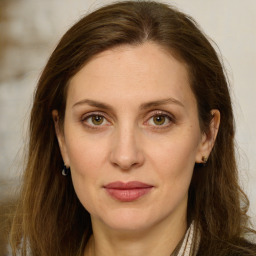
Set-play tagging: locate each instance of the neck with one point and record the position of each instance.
(159, 240)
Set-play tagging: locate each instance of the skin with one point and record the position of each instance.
(147, 130)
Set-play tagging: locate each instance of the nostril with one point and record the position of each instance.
(125, 152)
(126, 161)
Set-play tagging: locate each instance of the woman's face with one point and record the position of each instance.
(131, 137)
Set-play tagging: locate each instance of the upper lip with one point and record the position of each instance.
(127, 185)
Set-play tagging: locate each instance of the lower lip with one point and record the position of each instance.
(128, 195)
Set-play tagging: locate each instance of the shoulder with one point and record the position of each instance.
(242, 248)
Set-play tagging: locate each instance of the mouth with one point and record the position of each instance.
(127, 192)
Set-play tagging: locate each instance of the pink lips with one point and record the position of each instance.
(127, 192)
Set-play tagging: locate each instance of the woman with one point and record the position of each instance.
(131, 146)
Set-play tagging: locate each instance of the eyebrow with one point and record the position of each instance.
(157, 103)
(93, 103)
(143, 106)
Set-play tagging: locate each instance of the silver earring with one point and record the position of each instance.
(65, 170)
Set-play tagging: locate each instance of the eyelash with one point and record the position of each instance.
(88, 116)
(157, 113)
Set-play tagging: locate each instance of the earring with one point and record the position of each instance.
(204, 159)
(65, 170)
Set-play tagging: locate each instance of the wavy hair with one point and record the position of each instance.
(49, 219)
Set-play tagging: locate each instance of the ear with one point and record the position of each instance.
(208, 139)
(60, 136)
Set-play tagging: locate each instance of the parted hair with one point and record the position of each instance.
(49, 219)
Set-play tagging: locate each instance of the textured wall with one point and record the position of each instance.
(31, 28)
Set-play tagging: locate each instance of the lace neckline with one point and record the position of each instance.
(185, 246)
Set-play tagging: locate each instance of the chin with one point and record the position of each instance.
(127, 220)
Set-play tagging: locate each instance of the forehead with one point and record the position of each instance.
(146, 70)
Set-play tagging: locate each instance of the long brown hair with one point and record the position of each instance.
(50, 220)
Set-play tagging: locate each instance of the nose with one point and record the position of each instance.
(126, 152)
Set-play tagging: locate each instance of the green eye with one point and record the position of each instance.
(97, 120)
(159, 120)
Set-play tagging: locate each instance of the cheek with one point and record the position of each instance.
(174, 158)
(175, 150)
(85, 154)
(86, 161)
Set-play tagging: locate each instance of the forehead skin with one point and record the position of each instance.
(126, 63)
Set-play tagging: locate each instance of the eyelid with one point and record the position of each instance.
(160, 113)
(149, 115)
(95, 113)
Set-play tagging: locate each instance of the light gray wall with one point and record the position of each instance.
(31, 28)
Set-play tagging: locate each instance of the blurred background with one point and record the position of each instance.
(29, 31)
